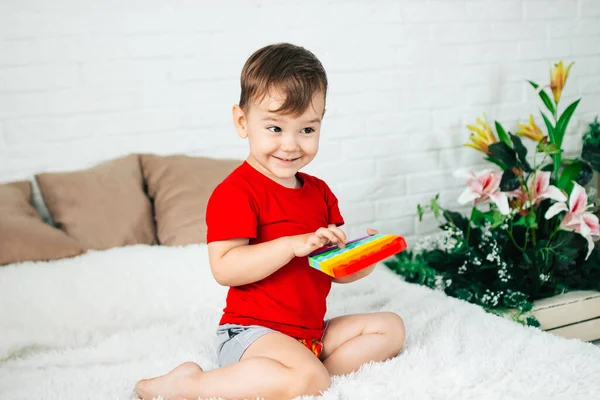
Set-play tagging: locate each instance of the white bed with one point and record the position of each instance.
(91, 326)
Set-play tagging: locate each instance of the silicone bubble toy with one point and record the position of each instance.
(358, 254)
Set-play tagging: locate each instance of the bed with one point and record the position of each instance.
(90, 326)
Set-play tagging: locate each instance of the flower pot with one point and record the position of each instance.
(573, 314)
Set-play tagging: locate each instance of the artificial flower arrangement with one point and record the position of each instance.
(531, 230)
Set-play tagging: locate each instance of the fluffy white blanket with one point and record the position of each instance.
(91, 326)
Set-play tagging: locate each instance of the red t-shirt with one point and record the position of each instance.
(247, 204)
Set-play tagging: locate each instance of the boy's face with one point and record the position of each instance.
(280, 145)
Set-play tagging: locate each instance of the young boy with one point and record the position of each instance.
(263, 221)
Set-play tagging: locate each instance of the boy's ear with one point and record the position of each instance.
(239, 121)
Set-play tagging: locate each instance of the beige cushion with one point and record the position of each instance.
(180, 187)
(23, 234)
(102, 207)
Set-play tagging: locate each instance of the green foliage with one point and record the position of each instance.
(510, 181)
(506, 262)
(592, 136)
(502, 155)
(413, 268)
(521, 151)
(489, 270)
(502, 134)
(545, 98)
(591, 145)
(558, 134)
(563, 121)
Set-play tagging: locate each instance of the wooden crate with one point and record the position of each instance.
(572, 315)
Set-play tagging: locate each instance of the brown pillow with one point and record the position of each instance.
(102, 207)
(180, 186)
(23, 234)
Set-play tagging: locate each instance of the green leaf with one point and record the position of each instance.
(464, 294)
(502, 134)
(498, 219)
(420, 211)
(477, 216)
(521, 152)
(591, 153)
(545, 98)
(569, 173)
(525, 306)
(503, 153)
(528, 221)
(585, 173)
(592, 136)
(549, 127)
(563, 121)
(552, 136)
(510, 181)
(531, 220)
(435, 207)
(522, 221)
(548, 148)
(547, 168)
(457, 220)
(532, 321)
(497, 162)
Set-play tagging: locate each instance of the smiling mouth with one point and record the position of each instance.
(287, 159)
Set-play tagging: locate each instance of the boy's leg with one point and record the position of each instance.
(353, 340)
(275, 366)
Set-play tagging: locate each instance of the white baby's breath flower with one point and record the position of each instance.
(439, 282)
(445, 241)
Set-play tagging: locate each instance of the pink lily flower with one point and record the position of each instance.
(482, 186)
(540, 189)
(577, 219)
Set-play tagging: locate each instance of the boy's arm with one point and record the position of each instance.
(355, 276)
(235, 262)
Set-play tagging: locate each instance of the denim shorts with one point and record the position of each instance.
(234, 340)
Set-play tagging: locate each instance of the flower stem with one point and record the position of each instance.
(512, 238)
(469, 226)
(556, 158)
(525, 189)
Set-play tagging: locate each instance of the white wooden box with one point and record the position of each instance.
(572, 315)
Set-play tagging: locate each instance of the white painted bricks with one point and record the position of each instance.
(83, 81)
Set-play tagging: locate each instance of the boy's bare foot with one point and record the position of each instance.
(166, 385)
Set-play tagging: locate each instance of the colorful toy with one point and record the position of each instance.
(358, 254)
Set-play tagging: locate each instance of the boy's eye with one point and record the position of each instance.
(307, 130)
(274, 129)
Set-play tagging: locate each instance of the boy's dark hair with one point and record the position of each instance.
(295, 71)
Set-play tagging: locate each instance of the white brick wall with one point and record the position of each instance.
(82, 81)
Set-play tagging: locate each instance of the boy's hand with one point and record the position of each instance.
(371, 231)
(362, 273)
(322, 237)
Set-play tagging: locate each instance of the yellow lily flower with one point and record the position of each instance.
(532, 131)
(481, 135)
(558, 79)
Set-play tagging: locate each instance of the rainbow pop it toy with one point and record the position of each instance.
(358, 254)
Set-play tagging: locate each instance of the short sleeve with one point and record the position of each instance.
(335, 216)
(230, 214)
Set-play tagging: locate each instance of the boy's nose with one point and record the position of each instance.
(289, 143)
